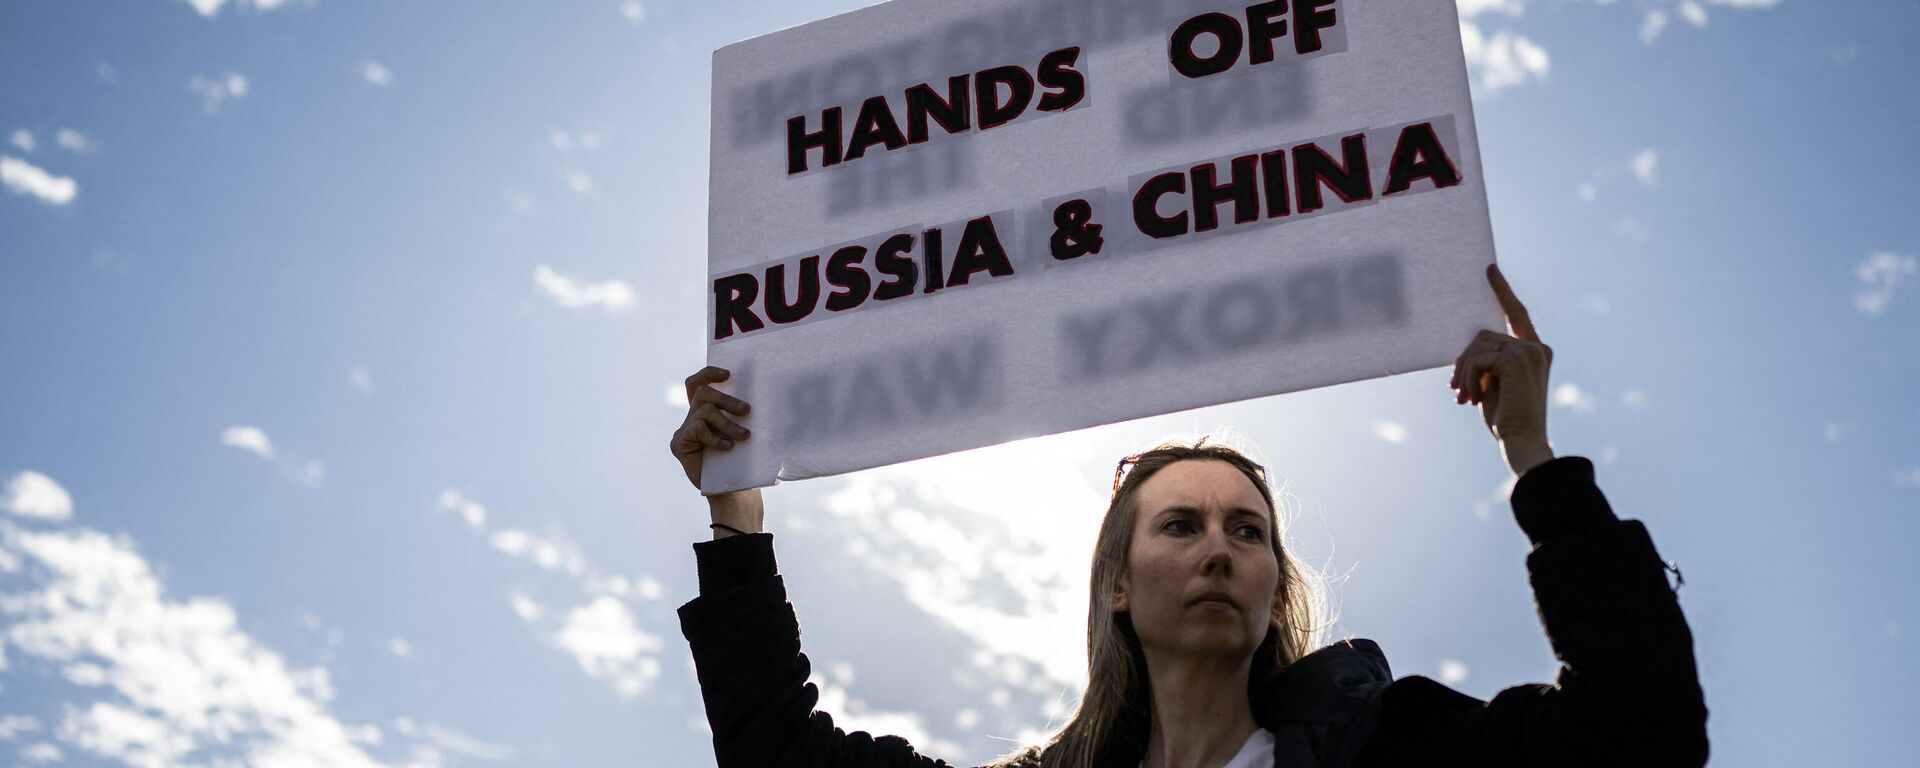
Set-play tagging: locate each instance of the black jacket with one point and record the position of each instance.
(1627, 693)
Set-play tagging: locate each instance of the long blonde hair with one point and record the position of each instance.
(1117, 696)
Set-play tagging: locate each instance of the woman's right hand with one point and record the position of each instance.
(707, 424)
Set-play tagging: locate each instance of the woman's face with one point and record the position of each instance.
(1202, 529)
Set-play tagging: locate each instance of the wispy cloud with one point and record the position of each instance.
(169, 678)
(377, 73)
(251, 439)
(23, 178)
(609, 645)
(34, 495)
(254, 440)
(469, 510)
(1693, 13)
(217, 90)
(21, 139)
(1502, 61)
(1907, 478)
(568, 141)
(1471, 8)
(1390, 431)
(602, 633)
(1652, 26)
(1880, 275)
(1570, 396)
(210, 8)
(633, 11)
(73, 141)
(1646, 167)
(610, 295)
(360, 380)
(1454, 671)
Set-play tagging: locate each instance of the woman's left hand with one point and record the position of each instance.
(1506, 375)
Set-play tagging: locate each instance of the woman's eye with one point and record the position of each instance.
(1179, 522)
(1257, 533)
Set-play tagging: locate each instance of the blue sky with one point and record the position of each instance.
(339, 342)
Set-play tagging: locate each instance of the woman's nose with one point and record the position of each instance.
(1218, 553)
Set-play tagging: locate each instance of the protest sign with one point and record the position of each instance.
(936, 226)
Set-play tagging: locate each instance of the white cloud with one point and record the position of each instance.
(579, 182)
(1646, 167)
(219, 89)
(1570, 395)
(521, 203)
(248, 438)
(1880, 274)
(21, 139)
(1693, 13)
(1762, 4)
(175, 677)
(610, 647)
(1587, 191)
(377, 73)
(1909, 478)
(210, 8)
(633, 11)
(1596, 303)
(525, 607)
(1631, 228)
(11, 726)
(1453, 671)
(1832, 432)
(40, 752)
(1390, 431)
(558, 556)
(462, 744)
(677, 395)
(1650, 29)
(31, 494)
(611, 295)
(853, 714)
(1635, 399)
(1471, 8)
(23, 178)
(361, 380)
(399, 646)
(469, 510)
(73, 141)
(1504, 60)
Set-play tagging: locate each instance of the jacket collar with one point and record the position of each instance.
(1330, 686)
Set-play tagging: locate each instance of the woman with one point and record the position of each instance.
(1201, 623)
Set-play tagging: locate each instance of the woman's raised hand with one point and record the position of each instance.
(1506, 375)
(707, 424)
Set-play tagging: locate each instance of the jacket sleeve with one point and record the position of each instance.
(1627, 692)
(753, 677)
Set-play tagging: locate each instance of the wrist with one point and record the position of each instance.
(1526, 452)
(738, 509)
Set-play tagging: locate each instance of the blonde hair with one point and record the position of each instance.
(1117, 695)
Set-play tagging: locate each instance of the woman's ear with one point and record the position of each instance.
(1119, 602)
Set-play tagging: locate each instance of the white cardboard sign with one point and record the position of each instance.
(935, 226)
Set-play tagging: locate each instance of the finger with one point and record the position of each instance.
(707, 375)
(723, 426)
(1474, 372)
(1484, 341)
(707, 394)
(1519, 323)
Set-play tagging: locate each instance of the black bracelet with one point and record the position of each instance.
(728, 527)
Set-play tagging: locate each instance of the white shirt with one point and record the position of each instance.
(1256, 753)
